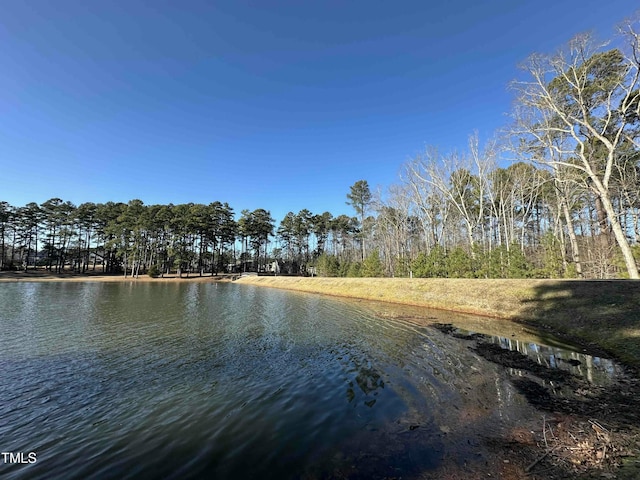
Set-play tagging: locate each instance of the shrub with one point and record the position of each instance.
(552, 258)
(401, 267)
(458, 264)
(328, 266)
(519, 266)
(431, 265)
(372, 265)
(354, 269)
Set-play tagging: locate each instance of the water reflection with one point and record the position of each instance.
(596, 370)
(201, 380)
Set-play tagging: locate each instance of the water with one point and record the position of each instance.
(195, 380)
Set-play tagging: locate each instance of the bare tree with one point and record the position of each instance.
(430, 206)
(588, 97)
(462, 179)
(394, 229)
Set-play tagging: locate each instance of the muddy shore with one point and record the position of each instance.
(584, 430)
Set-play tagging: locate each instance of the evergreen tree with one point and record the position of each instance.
(359, 198)
(372, 265)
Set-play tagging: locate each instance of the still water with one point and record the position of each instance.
(196, 380)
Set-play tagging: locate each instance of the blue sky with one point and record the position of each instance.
(281, 105)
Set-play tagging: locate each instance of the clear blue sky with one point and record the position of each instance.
(280, 105)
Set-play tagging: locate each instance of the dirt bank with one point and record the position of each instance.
(604, 316)
(585, 430)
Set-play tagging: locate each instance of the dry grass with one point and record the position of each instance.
(602, 314)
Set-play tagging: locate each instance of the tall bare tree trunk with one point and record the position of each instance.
(575, 250)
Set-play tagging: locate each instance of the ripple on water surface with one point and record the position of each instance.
(230, 381)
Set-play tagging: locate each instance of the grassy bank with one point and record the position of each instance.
(605, 313)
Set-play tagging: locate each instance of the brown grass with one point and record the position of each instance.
(603, 314)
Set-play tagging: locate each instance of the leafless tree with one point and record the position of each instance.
(588, 97)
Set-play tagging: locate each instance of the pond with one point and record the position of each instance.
(206, 380)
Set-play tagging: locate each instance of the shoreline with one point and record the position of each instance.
(45, 276)
(601, 315)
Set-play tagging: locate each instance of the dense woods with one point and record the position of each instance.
(557, 195)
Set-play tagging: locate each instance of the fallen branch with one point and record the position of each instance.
(538, 460)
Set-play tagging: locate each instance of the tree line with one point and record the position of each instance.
(122, 238)
(567, 204)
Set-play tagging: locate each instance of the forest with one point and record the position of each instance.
(556, 195)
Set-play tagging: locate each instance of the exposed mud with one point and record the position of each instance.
(585, 430)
